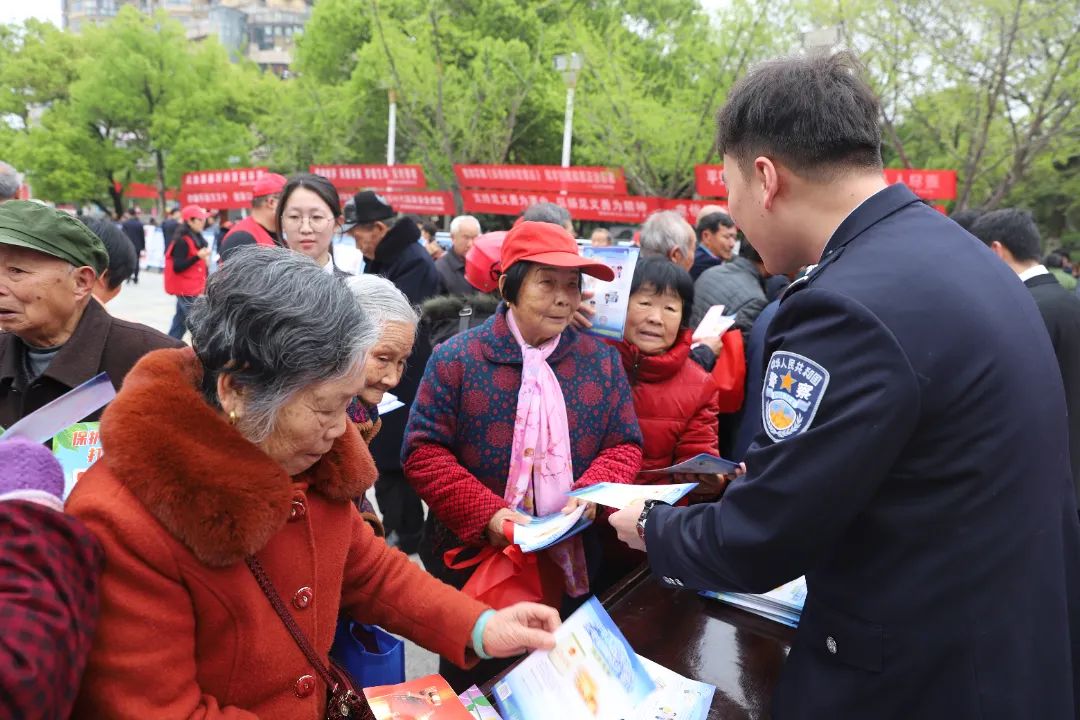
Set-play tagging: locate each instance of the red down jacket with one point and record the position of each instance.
(677, 403)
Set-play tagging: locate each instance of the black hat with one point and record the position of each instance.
(349, 213)
(368, 207)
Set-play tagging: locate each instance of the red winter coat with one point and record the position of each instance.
(677, 403)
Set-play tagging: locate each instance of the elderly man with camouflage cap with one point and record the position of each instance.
(53, 334)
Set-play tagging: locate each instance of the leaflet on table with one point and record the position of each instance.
(543, 532)
(675, 697)
(44, 423)
(77, 448)
(592, 673)
(389, 404)
(618, 495)
(783, 604)
(430, 698)
(610, 299)
(714, 324)
(478, 705)
(703, 464)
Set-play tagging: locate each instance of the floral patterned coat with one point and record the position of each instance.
(458, 441)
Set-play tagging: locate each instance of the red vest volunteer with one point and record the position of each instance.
(260, 227)
(185, 263)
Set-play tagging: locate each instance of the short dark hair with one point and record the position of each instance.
(122, 257)
(515, 278)
(430, 228)
(1013, 228)
(814, 113)
(660, 275)
(1053, 260)
(965, 218)
(547, 212)
(712, 223)
(316, 184)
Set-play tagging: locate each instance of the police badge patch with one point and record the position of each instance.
(794, 387)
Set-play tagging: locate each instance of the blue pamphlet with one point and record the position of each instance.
(703, 464)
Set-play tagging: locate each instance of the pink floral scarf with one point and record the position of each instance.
(541, 464)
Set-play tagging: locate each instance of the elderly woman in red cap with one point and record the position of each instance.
(185, 265)
(514, 414)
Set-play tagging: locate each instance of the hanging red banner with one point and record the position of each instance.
(927, 184)
(619, 209)
(417, 203)
(376, 177)
(709, 180)
(142, 191)
(689, 209)
(542, 178)
(205, 181)
(217, 200)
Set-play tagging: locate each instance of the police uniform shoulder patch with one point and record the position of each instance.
(792, 392)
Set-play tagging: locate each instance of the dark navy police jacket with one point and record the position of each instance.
(914, 466)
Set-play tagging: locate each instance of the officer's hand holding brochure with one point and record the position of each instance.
(620, 496)
(703, 464)
(543, 532)
(592, 673)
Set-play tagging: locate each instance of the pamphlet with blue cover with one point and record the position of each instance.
(783, 605)
(675, 698)
(592, 673)
(619, 495)
(44, 423)
(543, 532)
(703, 464)
(77, 448)
(610, 300)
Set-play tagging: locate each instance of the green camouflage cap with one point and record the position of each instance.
(28, 224)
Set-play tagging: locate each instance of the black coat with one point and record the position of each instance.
(1060, 310)
(133, 228)
(913, 465)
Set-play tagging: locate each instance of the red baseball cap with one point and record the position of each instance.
(483, 260)
(268, 184)
(193, 212)
(547, 244)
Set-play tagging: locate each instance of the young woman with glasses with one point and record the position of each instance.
(308, 213)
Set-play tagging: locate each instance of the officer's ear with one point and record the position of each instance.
(1000, 250)
(767, 180)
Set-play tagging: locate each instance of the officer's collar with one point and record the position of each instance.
(872, 210)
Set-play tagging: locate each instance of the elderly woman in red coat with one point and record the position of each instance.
(226, 480)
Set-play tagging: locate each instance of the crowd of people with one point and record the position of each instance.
(910, 442)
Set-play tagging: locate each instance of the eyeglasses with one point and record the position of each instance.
(317, 223)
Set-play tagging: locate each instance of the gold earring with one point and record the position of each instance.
(232, 417)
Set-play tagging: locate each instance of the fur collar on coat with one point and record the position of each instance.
(212, 489)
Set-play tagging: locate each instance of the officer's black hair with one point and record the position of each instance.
(965, 218)
(712, 223)
(515, 278)
(1013, 228)
(660, 276)
(813, 113)
(121, 252)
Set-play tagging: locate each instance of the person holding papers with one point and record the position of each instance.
(514, 414)
(913, 462)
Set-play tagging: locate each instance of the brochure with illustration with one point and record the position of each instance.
(675, 697)
(703, 464)
(610, 300)
(714, 324)
(592, 673)
(44, 423)
(77, 448)
(428, 698)
(478, 705)
(543, 532)
(618, 495)
(783, 605)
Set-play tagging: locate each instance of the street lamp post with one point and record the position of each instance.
(569, 65)
(391, 131)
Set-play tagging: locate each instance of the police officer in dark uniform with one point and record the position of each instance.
(914, 462)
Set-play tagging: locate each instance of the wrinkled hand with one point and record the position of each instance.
(715, 343)
(582, 319)
(520, 628)
(573, 502)
(494, 527)
(625, 523)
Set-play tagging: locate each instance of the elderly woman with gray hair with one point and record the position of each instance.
(230, 540)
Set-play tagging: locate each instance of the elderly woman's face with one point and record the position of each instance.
(308, 225)
(546, 302)
(307, 426)
(652, 320)
(386, 361)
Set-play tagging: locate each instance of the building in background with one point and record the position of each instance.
(263, 31)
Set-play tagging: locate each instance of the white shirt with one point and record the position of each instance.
(1033, 271)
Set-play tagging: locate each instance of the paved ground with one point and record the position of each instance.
(147, 303)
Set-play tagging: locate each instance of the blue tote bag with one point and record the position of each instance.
(371, 655)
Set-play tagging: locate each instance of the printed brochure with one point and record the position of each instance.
(618, 495)
(610, 299)
(592, 673)
(714, 324)
(428, 698)
(783, 605)
(44, 423)
(675, 698)
(77, 448)
(478, 705)
(703, 464)
(543, 532)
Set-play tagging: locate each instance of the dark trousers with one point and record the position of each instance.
(402, 511)
(179, 321)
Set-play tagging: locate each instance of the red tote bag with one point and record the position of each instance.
(507, 576)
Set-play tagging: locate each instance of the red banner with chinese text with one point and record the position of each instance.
(709, 181)
(417, 203)
(617, 209)
(542, 178)
(374, 177)
(927, 184)
(205, 181)
(689, 209)
(217, 199)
